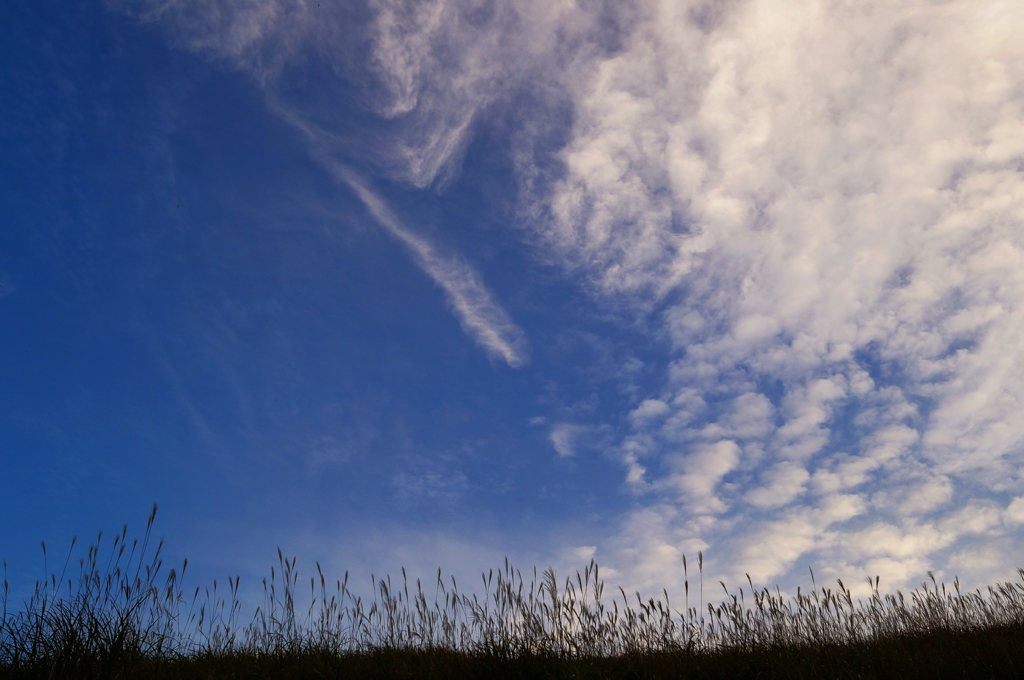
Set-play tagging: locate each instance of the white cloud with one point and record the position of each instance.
(1015, 511)
(426, 68)
(563, 438)
(837, 191)
(649, 408)
(268, 38)
(697, 473)
(921, 492)
(481, 316)
(568, 439)
(781, 485)
(819, 204)
(808, 409)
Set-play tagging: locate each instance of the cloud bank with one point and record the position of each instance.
(819, 203)
(833, 193)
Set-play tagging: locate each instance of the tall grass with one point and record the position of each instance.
(122, 616)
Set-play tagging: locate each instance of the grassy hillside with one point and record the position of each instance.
(122, 615)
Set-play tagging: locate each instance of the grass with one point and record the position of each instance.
(123, 616)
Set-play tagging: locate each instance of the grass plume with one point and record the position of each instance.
(122, 616)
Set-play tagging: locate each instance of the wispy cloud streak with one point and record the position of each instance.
(430, 120)
(481, 316)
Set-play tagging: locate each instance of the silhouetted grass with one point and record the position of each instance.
(123, 617)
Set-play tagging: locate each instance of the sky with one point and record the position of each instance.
(432, 283)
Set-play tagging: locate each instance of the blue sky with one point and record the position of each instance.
(432, 283)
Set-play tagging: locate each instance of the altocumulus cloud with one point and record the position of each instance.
(835, 192)
(820, 204)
